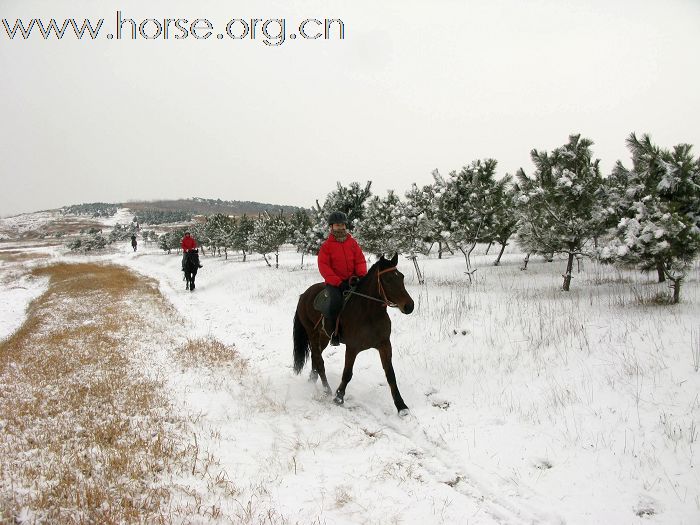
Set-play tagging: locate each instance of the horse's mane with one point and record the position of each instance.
(381, 264)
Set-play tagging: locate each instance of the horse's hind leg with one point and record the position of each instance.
(350, 355)
(313, 376)
(318, 367)
(385, 355)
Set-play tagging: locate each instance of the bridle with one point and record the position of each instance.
(384, 299)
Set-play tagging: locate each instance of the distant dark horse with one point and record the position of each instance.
(364, 323)
(191, 267)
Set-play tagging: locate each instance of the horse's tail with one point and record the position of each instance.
(301, 344)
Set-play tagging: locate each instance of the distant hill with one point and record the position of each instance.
(200, 206)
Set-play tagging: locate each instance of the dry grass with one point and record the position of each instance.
(84, 436)
(17, 256)
(209, 353)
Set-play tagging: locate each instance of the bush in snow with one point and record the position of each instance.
(88, 243)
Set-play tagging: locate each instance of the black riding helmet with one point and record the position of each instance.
(337, 217)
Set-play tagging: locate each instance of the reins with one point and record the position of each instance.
(385, 301)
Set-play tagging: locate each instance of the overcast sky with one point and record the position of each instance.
(414, 86)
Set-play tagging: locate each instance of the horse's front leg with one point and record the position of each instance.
(350, 355)
(385, 355)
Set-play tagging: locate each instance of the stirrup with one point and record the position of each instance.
(323, 327)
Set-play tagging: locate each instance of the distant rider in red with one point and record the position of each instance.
(188, 243)
(341, 263)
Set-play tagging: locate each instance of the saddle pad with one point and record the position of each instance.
(322, 301)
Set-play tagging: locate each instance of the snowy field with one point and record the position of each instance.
(527, 404)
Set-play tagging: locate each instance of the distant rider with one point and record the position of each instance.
(187, 243)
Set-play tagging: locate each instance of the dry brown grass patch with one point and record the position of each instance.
(17, 256)
(84, 435)
(209, 353)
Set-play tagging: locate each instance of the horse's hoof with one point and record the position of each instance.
(403, 412)
(338, 400)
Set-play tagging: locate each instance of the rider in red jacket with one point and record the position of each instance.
(187, 243)
(340, 261)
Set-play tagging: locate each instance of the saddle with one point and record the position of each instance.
(322, 302)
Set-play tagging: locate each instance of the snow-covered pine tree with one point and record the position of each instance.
(300, 229)
(269, 233)
(415, 227)
(351, 200)
(505, 217)
(560, 207)
(121, 232)
(241, 235)
(219, 230)
(468, 205)
(163, 242)
(378, 232)
(437, 220)
(171, 240)
(146, 235)
(657, 203)
(198, 230)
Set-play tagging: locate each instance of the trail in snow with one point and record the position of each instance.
(225, 306)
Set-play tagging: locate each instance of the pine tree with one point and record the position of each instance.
(415, 227)
(437, 218)
(220, 230)
(269, 233)
(242, 234)
(351, 200)
(505, 217)
(468, 205)
(300, 228)
(657, 206)
(559, 207)
(378, 232)
(163, 243)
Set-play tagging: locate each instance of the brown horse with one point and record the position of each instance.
(364, 323)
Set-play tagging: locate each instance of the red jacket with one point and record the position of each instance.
(188, 243)
(338, 261)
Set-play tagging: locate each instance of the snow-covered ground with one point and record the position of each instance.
(528, 404)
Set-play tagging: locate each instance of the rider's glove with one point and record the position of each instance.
(354, 280)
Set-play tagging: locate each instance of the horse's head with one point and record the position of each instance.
(390, 283)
